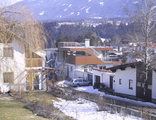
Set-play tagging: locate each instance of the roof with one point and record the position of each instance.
(150, 45)
(41, 53)
(123, 66)
(103, 70)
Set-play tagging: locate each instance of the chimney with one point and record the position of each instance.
(87, 42)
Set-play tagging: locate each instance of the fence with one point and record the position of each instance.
(115, 105)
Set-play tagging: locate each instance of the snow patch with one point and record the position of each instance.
(135, 2)
(89, 0)
(83, 109)
(82, 8)
(72, 13)
(42, 13)
(65, 9)
(59, 16)
(101, 3)
(78, 13)
(5, 3)
(69, 5)
(63, 4)
(87, 10)
(97, 17)
(63, 83)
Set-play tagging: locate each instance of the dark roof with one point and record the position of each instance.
(103, 70)
(123, 66)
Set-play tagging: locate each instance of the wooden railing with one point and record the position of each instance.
(33, 62)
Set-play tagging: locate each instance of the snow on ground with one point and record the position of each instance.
(82, 109)
(63, 83)
(90, 89)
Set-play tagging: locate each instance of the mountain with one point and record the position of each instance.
(76, 9)
(4, 3)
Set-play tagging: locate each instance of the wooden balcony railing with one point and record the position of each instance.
(33, 62)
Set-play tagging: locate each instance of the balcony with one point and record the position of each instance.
(34, 62)
(114, 60)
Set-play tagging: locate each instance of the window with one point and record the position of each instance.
(71, 68)
(80, 80)
(143, 84)
(120, 81)
(150, 87)
(8, 77)
(8, 52)
(81, 53)
(131, 84)
(104, 67)
(138, 84)
(85, 69)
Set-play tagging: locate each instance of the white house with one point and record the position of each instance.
(129, 81)
(12, 66)
(102, 76)
(15, 66)
(125, 81)
(154, 86)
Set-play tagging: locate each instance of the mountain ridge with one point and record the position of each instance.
(72, 9)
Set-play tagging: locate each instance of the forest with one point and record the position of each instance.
(78, 32)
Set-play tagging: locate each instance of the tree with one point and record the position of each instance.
(144, 15)
(17, 23)
(94, 39)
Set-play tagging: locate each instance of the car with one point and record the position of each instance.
(80, 82)
(113, 55)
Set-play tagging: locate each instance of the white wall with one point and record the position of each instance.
(125, 75)
(154, 85)
(76, 71)
(87, 42)
(96, 73)
(15, 64)
(104, 77)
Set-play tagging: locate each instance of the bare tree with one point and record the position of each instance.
(18, 23)
(144, 17)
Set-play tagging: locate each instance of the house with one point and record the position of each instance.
(20, 68)
(77, 58)
(128, 81)
(124, 81)
(103, 77)
(153, 86)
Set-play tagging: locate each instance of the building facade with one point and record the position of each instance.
(77, 58)
(20, 70)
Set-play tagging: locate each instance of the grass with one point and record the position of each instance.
(13, 110)
(41, 97)
(45, 99)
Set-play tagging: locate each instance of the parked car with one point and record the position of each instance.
(113, 55)
(80, 82)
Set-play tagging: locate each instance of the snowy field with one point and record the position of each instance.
(90, 89)
(82, 109)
